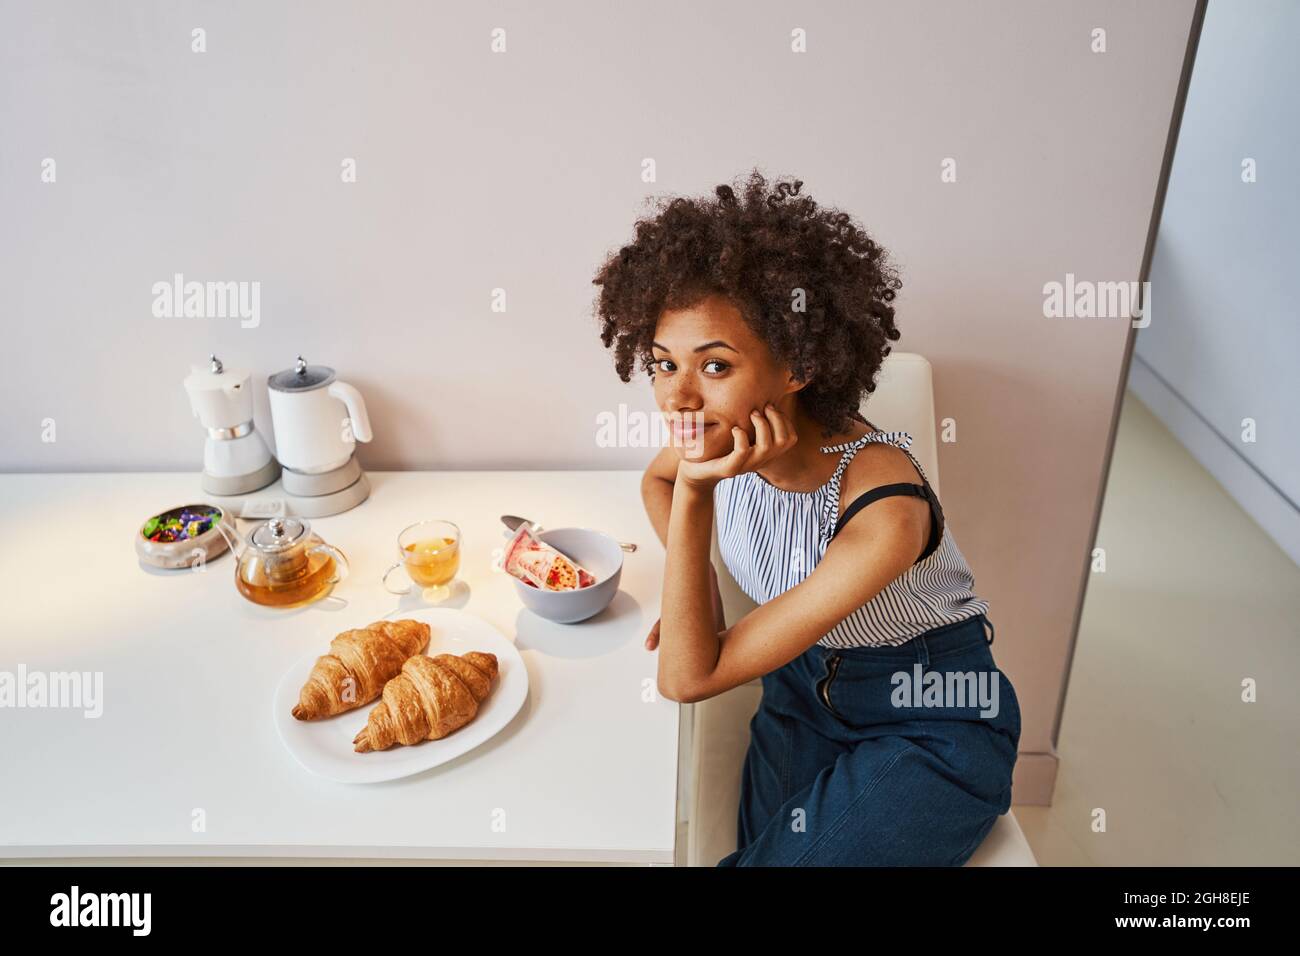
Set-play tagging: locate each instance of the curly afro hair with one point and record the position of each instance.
(758, 250)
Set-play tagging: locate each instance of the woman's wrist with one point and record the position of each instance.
(694, 486)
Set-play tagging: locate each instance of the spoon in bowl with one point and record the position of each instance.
(514, 521)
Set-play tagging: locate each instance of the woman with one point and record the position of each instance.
(886, 734)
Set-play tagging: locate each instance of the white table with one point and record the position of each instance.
(587, 771)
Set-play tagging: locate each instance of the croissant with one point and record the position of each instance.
(370, 656)
(429, 699)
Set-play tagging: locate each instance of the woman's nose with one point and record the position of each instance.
(684, 404)
(683, 397)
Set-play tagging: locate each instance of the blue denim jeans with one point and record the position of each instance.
(880, 756)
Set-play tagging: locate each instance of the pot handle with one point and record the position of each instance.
(350, 397)
(340, 560)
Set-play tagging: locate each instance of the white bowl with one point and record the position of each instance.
(595, 551)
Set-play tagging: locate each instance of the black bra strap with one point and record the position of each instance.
(900, 488)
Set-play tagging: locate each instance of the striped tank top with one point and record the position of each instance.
(771, 539)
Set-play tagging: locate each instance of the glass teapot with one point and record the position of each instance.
(282, 563)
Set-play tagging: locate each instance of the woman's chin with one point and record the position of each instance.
(690, 449)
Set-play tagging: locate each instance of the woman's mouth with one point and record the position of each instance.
(689, 427)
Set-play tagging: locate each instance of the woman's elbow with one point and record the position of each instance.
(677, 692)
(670, 692)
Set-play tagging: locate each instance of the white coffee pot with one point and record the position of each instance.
(235, 458)
(317, 420)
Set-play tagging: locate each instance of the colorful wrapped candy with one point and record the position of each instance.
(536, 563)
(182, 524)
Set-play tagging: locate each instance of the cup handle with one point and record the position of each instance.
(406, 590)
(340, 561)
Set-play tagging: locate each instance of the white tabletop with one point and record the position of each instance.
(586, 771)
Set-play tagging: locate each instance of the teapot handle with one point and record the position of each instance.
(357, 415)
(340, 560)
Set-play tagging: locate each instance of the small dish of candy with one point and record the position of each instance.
(181, 537)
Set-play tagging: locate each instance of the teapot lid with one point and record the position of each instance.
(301, 378)
(279, 534)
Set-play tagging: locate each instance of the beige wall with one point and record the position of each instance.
(521, 170)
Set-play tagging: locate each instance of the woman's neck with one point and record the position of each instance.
(805, 467)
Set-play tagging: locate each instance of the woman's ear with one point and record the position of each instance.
(794, 384)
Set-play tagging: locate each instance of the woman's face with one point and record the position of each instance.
(711, 371)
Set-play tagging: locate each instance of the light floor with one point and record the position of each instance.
(1195, 598)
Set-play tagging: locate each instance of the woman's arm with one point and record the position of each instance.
(688, 635)
(657, 491)
(657, 494)
(696, 661)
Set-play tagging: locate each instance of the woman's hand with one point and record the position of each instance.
(773, 437)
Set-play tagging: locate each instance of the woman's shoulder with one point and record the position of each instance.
(876, 464)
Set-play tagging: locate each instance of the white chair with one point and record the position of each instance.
(719, 730)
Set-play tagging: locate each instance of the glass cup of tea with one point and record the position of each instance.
(429, 552)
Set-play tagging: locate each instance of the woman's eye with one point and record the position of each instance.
(713, 366)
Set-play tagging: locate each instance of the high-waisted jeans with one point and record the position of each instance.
(880, 756)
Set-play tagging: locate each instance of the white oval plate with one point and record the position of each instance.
(325, 746)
